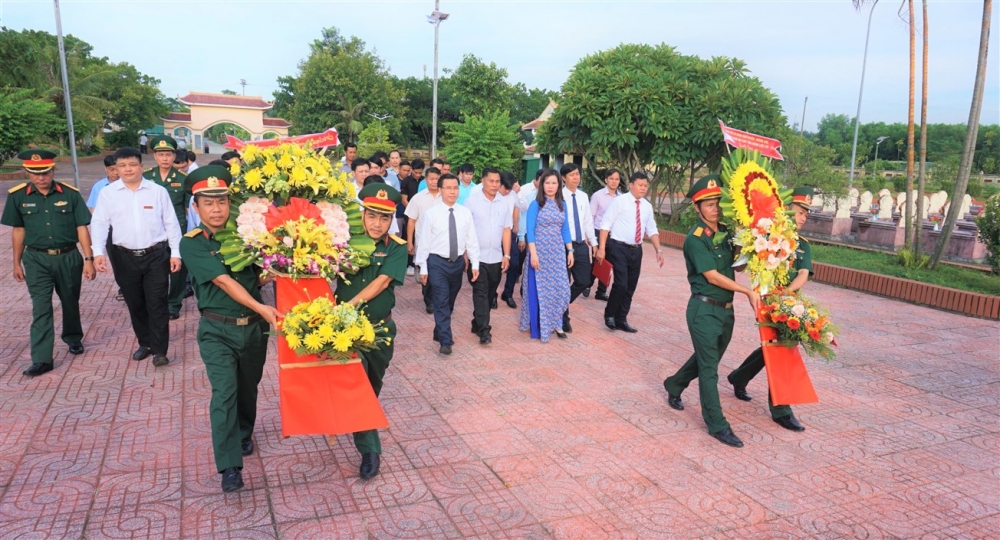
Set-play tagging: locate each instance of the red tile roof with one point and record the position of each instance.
(223, 100)
(276, 122)
(178, 117)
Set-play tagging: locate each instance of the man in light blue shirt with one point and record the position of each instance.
(95, 190)
(465, 183)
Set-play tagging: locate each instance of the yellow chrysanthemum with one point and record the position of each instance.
(298, 176)
(234, 168)
(325, 331)
(270, 168)
(285, 161)
(313, 341)
(253, 179)
(293, 340)
(250, 153)
(812, 313)
(369, 332)
(342, 343)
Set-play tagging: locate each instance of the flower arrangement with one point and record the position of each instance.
(330, 330)
(757, 207)
(278, 173)
(799, 320)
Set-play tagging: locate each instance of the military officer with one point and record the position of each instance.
(708, 255)
(374, 285)
(232, 333)
(49, 218)
(802, 267)
(165, 174)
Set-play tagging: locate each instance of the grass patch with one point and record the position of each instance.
(945, 275)
(663, 222)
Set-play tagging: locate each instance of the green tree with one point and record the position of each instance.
(138, 105)
(228, 92)
(284, 99)
(24, 120)
(809, 164)
(416, 128)
(350, 118)
(338, 68)
(485, 141)
(528, 104)
(374, 138)
(479, 88)
(644, 107)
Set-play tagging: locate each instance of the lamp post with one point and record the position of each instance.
(380, 117)
(435, 18)
(878, 141)
(66, 97)
(857, 117)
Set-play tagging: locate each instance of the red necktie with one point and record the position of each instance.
(638, 224)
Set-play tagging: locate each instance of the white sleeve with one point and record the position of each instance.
(99, 224)
(472, 244)
(423, 248)
(651, 228)
(588, 221)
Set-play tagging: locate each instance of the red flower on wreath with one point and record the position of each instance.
(782, 317)
(814, 335)
(793, 323)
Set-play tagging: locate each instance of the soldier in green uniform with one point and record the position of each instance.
(741, 376)
(165, 174)
(374, 285)
(49, 218)
(709, 259)
(232, 333)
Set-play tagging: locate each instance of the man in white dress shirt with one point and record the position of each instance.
(448, 239)
(492, 217)
(625, 223)
(581, 230)
(146, 250)
(418, 206)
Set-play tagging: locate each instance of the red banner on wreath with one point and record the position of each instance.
(749, 141)
(787, 378)
(318, 140)
(323, 400)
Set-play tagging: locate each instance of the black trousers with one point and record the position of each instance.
(582, 272)
(514, 270)
(445, 280)
(626, 262)
(144, 282)
(483, 291)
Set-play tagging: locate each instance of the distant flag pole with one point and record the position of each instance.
(66, 97)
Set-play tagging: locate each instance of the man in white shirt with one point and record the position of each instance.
(625, 223)
(419, 204)
(146, 250)
(448, 239)
(581, 230)
(350, 154)
(492, 217)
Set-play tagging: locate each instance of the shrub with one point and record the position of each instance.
(989, 231)
(909, 259)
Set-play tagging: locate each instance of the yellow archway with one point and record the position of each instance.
(211, 109)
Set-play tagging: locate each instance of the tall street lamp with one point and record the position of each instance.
(878, 141)
(67, 101)
(380, 117)
(435, 18)
(857, 117)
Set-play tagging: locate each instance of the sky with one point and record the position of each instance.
(799, 48)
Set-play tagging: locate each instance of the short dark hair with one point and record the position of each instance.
(538, 173)
(639, 175)
(395, 151)
(373, 178)
(437, 161)
(404, 163)
(126, 152)
(381, 155)
(507, 179)
(191, 155)
(432, 170)
(487, 171)
(609, 172)
(358, 162)
(230, 155)
(540, 196)
(109, 161)
(417, 164)
(350, 145)
(180, 157)
(568, 168)
(467, 168)
(444, 177)
(219, 162)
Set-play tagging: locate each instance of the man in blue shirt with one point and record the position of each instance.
(112, 175)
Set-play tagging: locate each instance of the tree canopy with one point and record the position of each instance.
(485, 141)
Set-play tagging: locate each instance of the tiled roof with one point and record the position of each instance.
(224, 100)
(276, 122)
(178, 117)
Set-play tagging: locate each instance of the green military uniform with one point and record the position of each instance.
(709, 311)
(232, 338)
(389, 259)
(50, 258)
(174, 184)
(741, 376)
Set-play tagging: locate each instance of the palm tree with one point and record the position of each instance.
(86, 83)
(922, 174)
(908, 205)
(969, 146)
(349, 124)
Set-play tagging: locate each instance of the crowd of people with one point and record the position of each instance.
(541, 244)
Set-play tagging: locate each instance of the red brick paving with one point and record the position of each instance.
(570, 439)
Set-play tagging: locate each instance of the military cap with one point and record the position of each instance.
(37, 161)
(379, 197)
(803, 196)
(162, 142)
(707, 187)
(211, 180)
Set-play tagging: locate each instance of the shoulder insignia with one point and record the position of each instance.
(397, 239)
(147, 170)
(697, 231)
(180, 172)
(17, 187)
(193, 232)
(65, 185)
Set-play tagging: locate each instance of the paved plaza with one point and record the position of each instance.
(518, 439)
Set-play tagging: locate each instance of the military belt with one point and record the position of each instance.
(55, 251)
(238, 321)
(713, 301)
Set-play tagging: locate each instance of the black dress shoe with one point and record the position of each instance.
(601, 296)
(567, 327)
(429, 309)
(675, 402)
(37, 369)
(493, 304)
(485, 339)
(188, 292)
(727, 436)
(76, 348)
(232, 479)
(370, 462)
(739, 390)
(610, 323)
(160, 360)
(445, 349)
(625, 326)
(561, 335)
(790, 422)
(246, 445)
(141, 353)
(174, 315)
(586, 293)
(511, 303)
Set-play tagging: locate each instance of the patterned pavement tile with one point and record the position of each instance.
(315, 500)
(421, 520)
(24, 501)
(596, 526)
(725, 508)
(437, 451)
(139, 488)
(783, 496)
(246, 508)
(477, 513)
(556, 499)
(391, 488)
(665, 518)
(48, 526)
(159, 520)
(58, 466)
(455, 480)
(346, 526)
